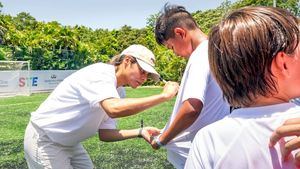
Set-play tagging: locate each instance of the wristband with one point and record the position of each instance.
(141, 129)
(140, 133)
(160, 144)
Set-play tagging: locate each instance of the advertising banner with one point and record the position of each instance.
(47, 80)
(18, 82)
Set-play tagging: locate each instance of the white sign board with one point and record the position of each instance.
(39, 80)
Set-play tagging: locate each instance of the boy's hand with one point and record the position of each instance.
(291, 127)
(149, 133)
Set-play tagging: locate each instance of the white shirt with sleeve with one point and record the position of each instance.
(241, 140)
(197, 82)
(72, 112)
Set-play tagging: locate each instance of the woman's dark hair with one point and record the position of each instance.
(116, 60)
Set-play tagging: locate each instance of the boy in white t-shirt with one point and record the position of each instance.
(254, 54)
(86, 103)
(199, 101)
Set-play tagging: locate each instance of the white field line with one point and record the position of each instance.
(19, 104)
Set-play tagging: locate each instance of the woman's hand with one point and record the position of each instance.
(170, 89)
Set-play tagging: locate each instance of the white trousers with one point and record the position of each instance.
(42, 153)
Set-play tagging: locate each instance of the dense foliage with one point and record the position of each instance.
(54, 46)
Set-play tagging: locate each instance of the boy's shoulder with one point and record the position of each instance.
(201, 52)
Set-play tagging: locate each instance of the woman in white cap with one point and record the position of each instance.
(86, 103)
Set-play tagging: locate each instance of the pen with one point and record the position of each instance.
(142, 123)
(163, 80)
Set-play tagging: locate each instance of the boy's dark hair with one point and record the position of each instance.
(242, 47)
(171, 17)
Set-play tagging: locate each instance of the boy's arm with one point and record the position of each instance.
(186, 116)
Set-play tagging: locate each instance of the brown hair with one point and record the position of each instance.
(118, 59)
(242, 47)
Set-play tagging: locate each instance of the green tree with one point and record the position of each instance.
(54, 46)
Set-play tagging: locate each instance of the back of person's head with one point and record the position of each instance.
(242, 47)
(170, 17)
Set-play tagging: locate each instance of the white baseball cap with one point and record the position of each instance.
(145, 59)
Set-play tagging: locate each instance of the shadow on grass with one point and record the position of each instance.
(133, 154)
(131, 158)
(105, 155)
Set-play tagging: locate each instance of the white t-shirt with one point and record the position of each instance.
(72, 111)
(197, 82)
(241, 140)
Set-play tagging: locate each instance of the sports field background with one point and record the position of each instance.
(132, 153)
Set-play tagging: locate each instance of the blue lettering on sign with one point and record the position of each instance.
(34, 81)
